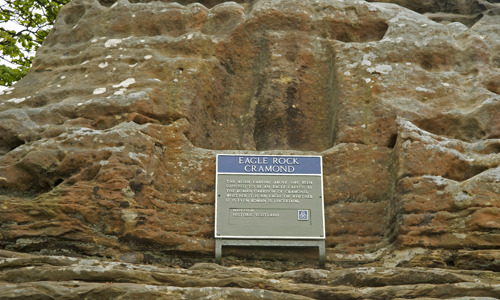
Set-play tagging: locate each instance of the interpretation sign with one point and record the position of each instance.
(269, 197)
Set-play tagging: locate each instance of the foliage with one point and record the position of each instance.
(31, 21)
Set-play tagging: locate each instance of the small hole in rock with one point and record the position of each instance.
(392, 141)
(107, 3)
(9, 143)
(450, 262)
(58, 182)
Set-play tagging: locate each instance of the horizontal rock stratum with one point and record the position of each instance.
(107, 147)
(56, 277)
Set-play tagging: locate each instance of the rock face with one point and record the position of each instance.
(467, 12)
(107, 147)
(57, 277)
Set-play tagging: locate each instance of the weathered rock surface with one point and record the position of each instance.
(467, 12)
(57, 277)
(107, 147)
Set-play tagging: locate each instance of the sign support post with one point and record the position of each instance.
(269, 200)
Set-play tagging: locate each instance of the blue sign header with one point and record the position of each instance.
(269, 164)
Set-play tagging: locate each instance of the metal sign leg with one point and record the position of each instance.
(218, 251)
(322, 254)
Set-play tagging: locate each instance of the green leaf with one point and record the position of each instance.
(36, 18)
(9, 75)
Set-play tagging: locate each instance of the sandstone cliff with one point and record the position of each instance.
(107, 147)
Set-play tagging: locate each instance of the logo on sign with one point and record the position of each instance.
(303, 215)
